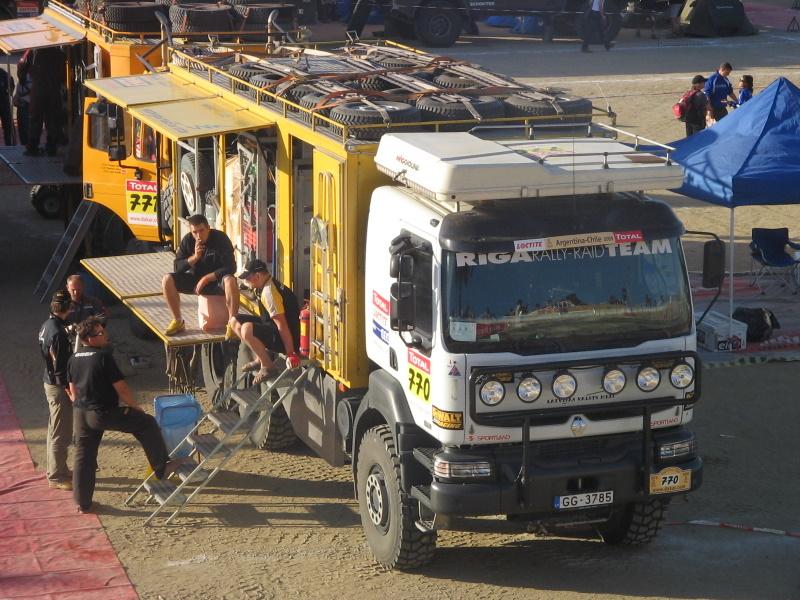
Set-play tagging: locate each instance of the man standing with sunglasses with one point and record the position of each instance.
(103, 401)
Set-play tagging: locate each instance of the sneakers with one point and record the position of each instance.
(31, 151)
(230, 334)
(60, 485)
(265, 373)
(84, 510)
(175, 327)
(253, 365)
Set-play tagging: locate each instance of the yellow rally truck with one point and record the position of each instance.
(500, 320)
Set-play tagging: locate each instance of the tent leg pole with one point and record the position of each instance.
(730, 278)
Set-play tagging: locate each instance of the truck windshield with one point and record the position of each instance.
(565, 300)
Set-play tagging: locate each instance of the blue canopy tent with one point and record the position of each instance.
(752, 156)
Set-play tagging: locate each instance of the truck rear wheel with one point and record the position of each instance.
(47, 200)
(438, 24)
(388, 515)
(635, 524)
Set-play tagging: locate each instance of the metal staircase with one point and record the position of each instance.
(228, 433)
(68, 245)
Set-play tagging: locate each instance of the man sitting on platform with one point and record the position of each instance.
(277, 328)
(204, 265)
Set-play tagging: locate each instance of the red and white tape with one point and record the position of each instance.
(795, 534)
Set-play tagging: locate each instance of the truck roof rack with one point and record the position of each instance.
(461, 167)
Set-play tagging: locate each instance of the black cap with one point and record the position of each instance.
(253, 266)
(61, 300)
(698, 79)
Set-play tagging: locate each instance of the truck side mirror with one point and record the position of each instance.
(713, 263)
(401, 317)
(116, 152)
(401, 267)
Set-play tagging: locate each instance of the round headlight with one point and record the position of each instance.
(564, 385)
(648, 379)
(681, 376)
(613, 381)
(492, 392)
(529, 389)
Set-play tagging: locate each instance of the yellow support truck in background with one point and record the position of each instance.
(500, 318)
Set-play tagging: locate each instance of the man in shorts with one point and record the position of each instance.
(204, 265)
(276, 329)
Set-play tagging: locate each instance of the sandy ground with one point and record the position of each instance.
(284, 525)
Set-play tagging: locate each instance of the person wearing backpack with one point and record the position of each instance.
(697, 107)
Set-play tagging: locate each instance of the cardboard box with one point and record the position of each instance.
(718, 333)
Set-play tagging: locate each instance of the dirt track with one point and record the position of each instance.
(285, 525)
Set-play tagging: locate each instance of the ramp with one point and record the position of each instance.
(36, 170)
(136, 280)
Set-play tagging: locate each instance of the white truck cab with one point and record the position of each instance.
(527, 311)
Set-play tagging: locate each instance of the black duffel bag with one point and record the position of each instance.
(760, 322)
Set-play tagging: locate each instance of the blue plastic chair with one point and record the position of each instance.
(769, 257)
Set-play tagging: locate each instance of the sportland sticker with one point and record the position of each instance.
(140, 200)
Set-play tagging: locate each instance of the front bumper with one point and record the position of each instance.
(610, 463)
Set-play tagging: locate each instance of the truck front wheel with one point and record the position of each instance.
(388, 516)
(438, 24)
(635, 524)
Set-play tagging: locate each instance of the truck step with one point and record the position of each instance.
(224, 420)
(185, 471)
(424, 457)
(422, 493)
(160, 489)
(246, 397)
(205, 444)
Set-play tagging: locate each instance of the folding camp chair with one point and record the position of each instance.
(770, 258)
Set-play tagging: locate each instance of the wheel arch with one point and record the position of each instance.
(383, 404)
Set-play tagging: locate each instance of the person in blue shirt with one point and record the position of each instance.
(718, 89)
(745, 89)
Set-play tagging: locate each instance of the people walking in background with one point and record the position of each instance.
(695, 119)
(48, 71)
(56, 351)
(593, 26)
(22, 97)
(718, 89)
(6, 117)
(745, 89)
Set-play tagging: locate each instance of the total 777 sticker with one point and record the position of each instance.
(419, 375)
(141, 202)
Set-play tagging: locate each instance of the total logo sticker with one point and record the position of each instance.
(419, 375)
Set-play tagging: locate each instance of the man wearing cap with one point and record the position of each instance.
(275, 329)
(718, 89)
(698, 107)
(56, 350)
(204, 264)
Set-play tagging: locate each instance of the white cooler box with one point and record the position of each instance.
(719, 334)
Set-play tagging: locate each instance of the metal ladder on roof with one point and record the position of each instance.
(65, 250)
(229, 432)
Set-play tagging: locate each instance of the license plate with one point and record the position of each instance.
(583, 500)
(670, 479)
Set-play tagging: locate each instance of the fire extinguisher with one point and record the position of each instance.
(305, 317)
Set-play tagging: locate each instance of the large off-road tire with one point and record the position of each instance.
(218, 364)
(520, 106)
(453, 81)
(392, 62)
(634, 524)
(359, 113)
(193, 18)
(167, 207)
(438, 24)
(246, 71)
(310, 101)
(48, 201)
(275, 434)
(130, 12)
(436, 109)
(192, 194)
(388, 516)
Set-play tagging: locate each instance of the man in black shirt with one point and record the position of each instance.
(97, 387)
(56, 349)
(204, 264)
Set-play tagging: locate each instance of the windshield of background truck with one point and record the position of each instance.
(566, 300)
